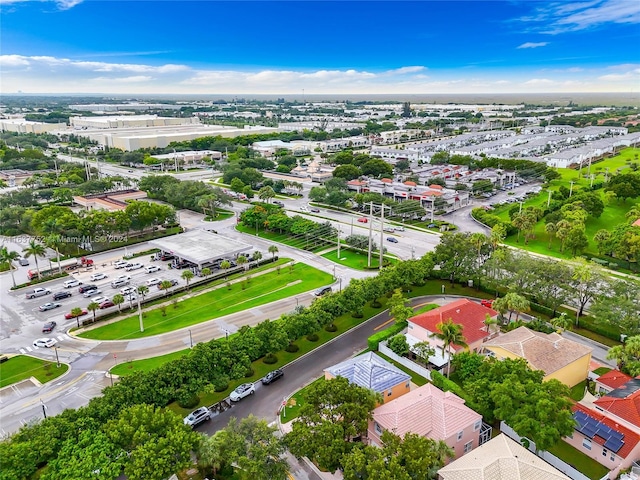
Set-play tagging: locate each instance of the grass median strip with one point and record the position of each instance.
(21, 367)
(249, 293)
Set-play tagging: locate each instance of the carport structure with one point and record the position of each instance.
(200, 247)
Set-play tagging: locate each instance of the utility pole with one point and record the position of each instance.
(370, 233)
(549, 199)
(381, 235)
(339, 231)
(139, 311)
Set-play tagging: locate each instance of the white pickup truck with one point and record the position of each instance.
(38, 292)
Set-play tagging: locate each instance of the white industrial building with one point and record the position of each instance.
(20, 125)
(129, 121)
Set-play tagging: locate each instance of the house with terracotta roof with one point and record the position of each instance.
(372, 372)
(429, 412)
(469, 314)
(622, 404)
(607, 441)
(559, 358)
(500, 459)
(611, 380)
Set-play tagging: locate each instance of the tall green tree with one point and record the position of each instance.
(398, 307)
(627, 355)
(336, 412)
(9, 256)
(187, 275)
(35, 250)
(408, 458)
(450, 334)
(456, 256)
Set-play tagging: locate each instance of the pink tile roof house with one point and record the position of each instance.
(431, 413)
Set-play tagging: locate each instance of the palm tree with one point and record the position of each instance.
(256, 256)
(550, 228)
(206, 271)
(451, 334)
(92, 307)
(225, 265)
(166, 285)
(562, 322)
(55, 241)
(241, 260)
(143, 290)
(76, 312)
(489, 321)
(37, 250)
(118, 300)
(8, 257)
(187, 275)
(273, 250)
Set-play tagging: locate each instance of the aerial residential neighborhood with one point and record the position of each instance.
(319, 240)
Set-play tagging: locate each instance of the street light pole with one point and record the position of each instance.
(57, 359)
(190, 339)
(44, 409)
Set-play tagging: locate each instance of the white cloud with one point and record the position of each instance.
(47, 74)
(61, 4)
(556, 18)
(533, 44)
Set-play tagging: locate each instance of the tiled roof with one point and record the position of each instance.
(426, 411)
(629, 438)
(411, 184)
(470, 315)
(436, 187)
(386, 180)
(548, 352)
(369, 371)
(624, 402)
(613, 379)
(500, 459)
(636, 223)
(356, 182)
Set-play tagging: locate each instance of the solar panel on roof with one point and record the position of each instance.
(589, 431)
(614, 444)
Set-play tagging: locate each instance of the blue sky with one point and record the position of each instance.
(267, 47)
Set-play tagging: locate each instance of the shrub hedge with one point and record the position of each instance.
(374, 340)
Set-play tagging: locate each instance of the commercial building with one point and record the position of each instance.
(20, 125)
(128, 121)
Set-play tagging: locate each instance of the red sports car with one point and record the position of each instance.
(70, 315)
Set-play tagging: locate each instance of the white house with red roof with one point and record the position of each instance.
(469, 314)
(608, 428)
(429, 412)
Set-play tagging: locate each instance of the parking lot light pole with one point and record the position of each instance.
(57, 359)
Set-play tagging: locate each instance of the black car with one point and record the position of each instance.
(272, 376)
(61, 295)
(278, 203)
(48, 327)
(86, 288)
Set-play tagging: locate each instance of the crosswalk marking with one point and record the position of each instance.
(22, 350)
(30, 349)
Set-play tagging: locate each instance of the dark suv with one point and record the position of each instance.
(272, 376)
(61, 295)
(48, 327)
(86, 288)
(322, 291)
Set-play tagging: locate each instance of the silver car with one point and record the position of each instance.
(242, 391)
(198, 416)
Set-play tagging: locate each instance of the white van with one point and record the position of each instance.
(71, 283)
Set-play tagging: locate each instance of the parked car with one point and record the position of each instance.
(392, 239)
(38, 292)
(198, 416)
(363, 220)
(23, 261)
(127, 290)
(153, 281)
(242, 391)
(48, 306)
(133, 266)
(61, 295)
(92, 292)
(486, 302)
(152, 268)
(44, 342)
(48, 327)
(70, 315)
(272, 376)
(107, 304)
(97, 276)
(85, 288)
(71, 283)
(120, 264)
(173, 283)
(322, 291)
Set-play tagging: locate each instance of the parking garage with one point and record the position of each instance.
(198, 249)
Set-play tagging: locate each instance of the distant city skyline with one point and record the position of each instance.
(331, 47)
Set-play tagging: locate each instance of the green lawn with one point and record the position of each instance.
(356, 260)
(578, 460)
(21, 367)
(601, 370)
(303, 243)
(577, 391)
(240, 296)
(296, 401)
(415, 378)
(613, 214)
(425, 308)
(146, 365)
(220, 215)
